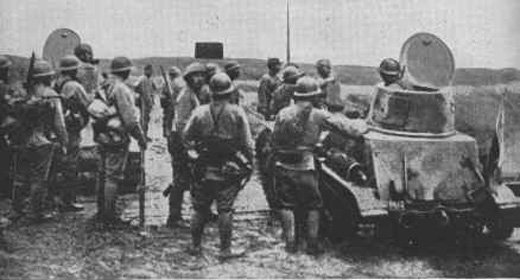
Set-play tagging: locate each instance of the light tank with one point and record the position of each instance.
(423, 178)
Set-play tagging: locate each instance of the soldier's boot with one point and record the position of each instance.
(225, 227)
(313, 226)
(68, 197)
(175, 202)
(287, 217)
(198, 220)
(36, 199)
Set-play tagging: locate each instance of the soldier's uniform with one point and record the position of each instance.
(75, 104)
(113, 137)
(296, 133)
(43, 116)
(145, 89)
(329, 85)
(268, 84)
(218, 132)
(169, 95)
(283, 95)
(189, 98)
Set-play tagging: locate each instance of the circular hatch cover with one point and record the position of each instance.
(428, 61)
(61, 42)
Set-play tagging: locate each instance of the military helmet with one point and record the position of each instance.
(174, 70)
(323, 62)
(307, 87)
(42, 68)
(390, 66)
(273, 61)
(120, 64)
(212, 68)
(220, 84)
(4, 62)
(195, 67)
(232, 65)
(69, 62)
(291, 72)
(82, 48)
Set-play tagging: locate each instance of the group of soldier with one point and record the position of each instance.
(207, 131)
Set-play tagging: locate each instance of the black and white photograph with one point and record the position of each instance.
(267, 139)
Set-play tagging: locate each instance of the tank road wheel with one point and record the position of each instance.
(341, 215)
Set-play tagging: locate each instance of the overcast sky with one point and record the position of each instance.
(481, 33)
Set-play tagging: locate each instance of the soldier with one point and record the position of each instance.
(283, 94)
(169, 95)
(391, 73)
(145, 88)
(329, 85)
(113, 137)
(43, 115)
(268, 84)
(222, 145)
(189, 98)
(232, 69)
(88, 73)
(296, 133)
(75, 104)
(5, 157)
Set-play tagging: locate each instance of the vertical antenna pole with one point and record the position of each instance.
(288, 48)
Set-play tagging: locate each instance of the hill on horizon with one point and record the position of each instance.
(253, 69)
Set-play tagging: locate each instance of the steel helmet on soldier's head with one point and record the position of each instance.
(4, 62)
(68, 62)
(232, 65)
(273, 61)
(42, 68)
(390, 66)
(323, 62)
(82, 48)
(120, 64)
(212, 68)
(221, 84)
(291, 72)
(174, 70)
(195, 67)
(307, 87)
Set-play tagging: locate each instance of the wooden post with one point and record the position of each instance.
(142, 179)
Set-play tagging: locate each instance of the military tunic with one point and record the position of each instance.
(295, 136)
(268, 84)
(227, 122)
(282, 98)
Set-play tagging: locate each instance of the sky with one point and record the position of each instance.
(480, 33)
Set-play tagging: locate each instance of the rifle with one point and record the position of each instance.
(30, 73)
(142, 180)
(166, 82)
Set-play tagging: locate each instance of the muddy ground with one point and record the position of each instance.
(69, 247)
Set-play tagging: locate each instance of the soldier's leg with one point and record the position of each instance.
(226, 196)
(310, 199)
(115, 162)
(201, 196)
(19, 167)
(70, 185)
(180, 182)
(39, 174)
(286, 195)
(100, 183)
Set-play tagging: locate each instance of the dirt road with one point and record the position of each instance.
(69, 248)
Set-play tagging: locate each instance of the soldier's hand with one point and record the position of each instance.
(64, 150)
(167, 133)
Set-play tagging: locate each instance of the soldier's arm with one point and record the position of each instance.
(246, 137)
(128, 114)
(262, 95)
(191, 130)
(59, 122)
(342, 124)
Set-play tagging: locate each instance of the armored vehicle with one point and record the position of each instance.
(413, 172)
